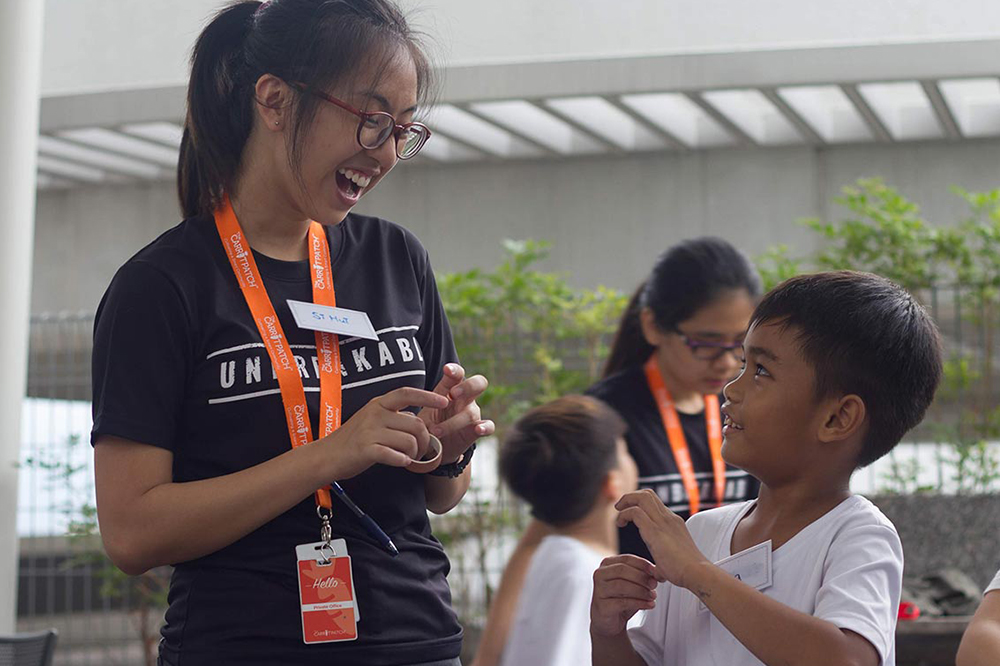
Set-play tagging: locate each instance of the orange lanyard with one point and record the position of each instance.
(293, 395)
(678, 444)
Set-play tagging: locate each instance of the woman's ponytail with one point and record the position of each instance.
(219, 118)
(629, 347)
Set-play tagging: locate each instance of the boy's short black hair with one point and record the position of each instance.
(862, 334)
(557, 456)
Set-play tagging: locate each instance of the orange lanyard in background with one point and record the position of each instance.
(678, 443)
(293, 395)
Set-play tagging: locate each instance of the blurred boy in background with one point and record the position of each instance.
(568, 460)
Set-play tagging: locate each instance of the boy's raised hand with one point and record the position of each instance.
(664, 532)
(623, 585)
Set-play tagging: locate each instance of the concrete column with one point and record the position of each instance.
(20, 74)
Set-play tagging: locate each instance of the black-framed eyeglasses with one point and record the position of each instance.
(711, 351)
(375, 127)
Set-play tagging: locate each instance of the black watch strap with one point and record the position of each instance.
(455, 469)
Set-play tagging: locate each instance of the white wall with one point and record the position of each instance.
(608, 217)
(483, 31)
(93, 45)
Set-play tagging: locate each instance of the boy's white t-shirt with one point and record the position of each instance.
(846, 568)
(552, 623)
(995, 585)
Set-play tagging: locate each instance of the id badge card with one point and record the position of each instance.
(752, 566)
(327, 599)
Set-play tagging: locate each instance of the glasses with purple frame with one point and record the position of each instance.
(375, 127)
(711, 351)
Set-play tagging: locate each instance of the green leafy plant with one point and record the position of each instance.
(775, 266)
(535, 337)
(979, 267)
(903, 477)
(975, 467)
(885, 234)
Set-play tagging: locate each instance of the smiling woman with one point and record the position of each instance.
(221, 426)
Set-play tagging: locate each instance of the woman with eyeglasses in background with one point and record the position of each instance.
(217, 413)
(678, 344)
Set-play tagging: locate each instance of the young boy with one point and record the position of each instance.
(567, 459)
(981, 642)
(838, 366)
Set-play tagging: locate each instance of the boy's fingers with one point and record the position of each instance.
(640, 577)
(627, 500)
(634, 561)
(634, 514)
(626, 605)
(618, 588)
(645, 498)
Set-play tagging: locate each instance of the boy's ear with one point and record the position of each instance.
(844, 419)
(613, 487)
(650, 330)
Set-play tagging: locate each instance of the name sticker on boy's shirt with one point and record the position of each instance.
(329, 608)
(752, 566)
(341, 321)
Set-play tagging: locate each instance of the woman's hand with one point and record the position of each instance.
(381, 433)
(623, 586)
(664, 532)
(459, 423)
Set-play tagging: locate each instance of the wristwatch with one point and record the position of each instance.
(455, 469)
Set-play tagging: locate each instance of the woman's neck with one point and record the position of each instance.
(686, 401)
(271, 227)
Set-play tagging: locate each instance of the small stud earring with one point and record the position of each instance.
(276, 122)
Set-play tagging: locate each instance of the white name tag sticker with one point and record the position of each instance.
(342, 321)
(752, 566)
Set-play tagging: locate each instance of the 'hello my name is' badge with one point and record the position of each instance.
(342, 321)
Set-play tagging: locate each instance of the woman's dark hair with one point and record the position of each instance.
(685, 278)
(557, 456)
(318, 43)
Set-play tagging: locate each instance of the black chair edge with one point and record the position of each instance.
(47, 638)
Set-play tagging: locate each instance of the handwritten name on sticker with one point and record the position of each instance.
(322, 316)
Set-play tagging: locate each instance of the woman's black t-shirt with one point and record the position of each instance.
(179, 364)
(628, 392)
